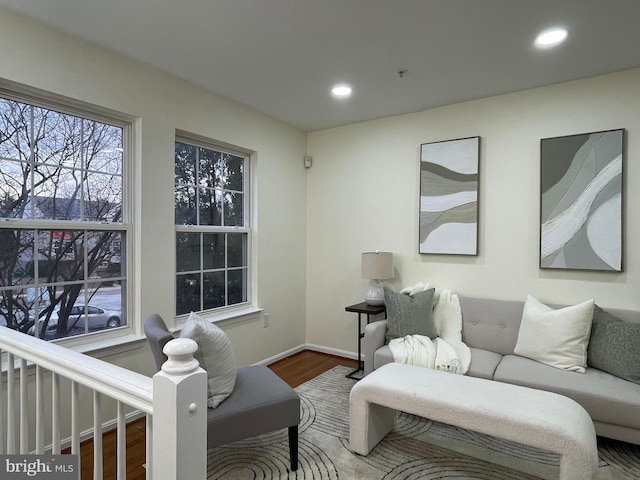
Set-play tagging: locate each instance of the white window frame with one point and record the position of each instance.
(246, 309)
(100, 340)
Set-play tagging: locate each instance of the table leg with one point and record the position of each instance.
(360, 362)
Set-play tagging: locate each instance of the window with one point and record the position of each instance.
(63, 234)
(212, 227)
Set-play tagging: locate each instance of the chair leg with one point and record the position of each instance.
(293, 447)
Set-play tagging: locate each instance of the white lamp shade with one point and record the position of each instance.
(377, 265)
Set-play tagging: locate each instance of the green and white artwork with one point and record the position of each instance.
(449, 197)
(581, 201)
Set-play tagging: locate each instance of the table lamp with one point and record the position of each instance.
(376, 266)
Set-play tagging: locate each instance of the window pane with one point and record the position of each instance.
(60, 255)
(237, 281)
(14, 125)
(58, 138)
(236, 250)
(64, 315)
(187, 294)
(16, 257)
(102, 148)
(188, 252)
(214, 290)
(105, 295)
(210, 166)
(233, 209)
(57, 193)
(185, 206)
(185, 165)
(210, 207)
(234, 173)
(213, 253)
(18, 306)
(102, 195)
(105, 254)
(11, 178)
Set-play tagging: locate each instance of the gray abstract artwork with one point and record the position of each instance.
(449, 197)
(581, 201)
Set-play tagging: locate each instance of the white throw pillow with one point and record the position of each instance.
(215, 356)
(558, 338)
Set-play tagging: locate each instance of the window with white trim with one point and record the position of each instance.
(63, 218)
(212, 226)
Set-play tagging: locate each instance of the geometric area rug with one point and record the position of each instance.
(418, 448)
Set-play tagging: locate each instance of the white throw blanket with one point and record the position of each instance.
(447, 351)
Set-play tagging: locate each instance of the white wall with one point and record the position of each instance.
(363, 195)
(43, 58)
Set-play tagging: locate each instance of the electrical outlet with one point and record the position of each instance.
(265, 320)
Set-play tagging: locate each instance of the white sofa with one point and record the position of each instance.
(490, 328)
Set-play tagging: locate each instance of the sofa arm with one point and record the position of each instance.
(374, 335)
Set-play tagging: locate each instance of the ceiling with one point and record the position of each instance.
(281, 57)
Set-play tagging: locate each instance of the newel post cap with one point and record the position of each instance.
(180, 352)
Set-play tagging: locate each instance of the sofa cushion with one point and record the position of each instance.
(607, 398)
(409, 314)
(483, 363)
(614, 346)
(491, 324)
(558, 338)
(215, 355)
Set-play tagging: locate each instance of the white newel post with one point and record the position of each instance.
(179, 415)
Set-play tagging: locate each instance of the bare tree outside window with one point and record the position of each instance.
(62, 268)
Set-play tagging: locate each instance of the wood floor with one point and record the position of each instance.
(303, 366)
(295, 370)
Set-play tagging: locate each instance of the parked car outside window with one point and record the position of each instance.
(97, 319)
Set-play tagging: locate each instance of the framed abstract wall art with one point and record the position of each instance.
(581, 201)
(449, 197)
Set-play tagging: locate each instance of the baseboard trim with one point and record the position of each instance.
(331, 351)
(308, 346)
(281, 355)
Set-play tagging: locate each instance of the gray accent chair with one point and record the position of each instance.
(261, 402)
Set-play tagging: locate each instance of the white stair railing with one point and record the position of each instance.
(174, 402)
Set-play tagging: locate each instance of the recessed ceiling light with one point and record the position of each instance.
(551, 37)
(341, 91)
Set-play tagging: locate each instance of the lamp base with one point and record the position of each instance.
(375, 294)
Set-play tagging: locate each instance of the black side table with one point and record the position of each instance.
(367, 309)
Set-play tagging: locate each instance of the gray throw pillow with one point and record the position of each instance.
(215, 355)
(409, 314)
(614, 346)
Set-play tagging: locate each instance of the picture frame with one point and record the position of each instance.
(448, 203)
(581, 201)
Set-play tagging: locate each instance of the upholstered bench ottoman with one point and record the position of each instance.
(531, 417)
